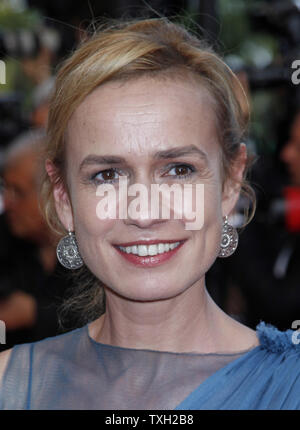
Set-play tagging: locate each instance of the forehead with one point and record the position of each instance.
(143, 116)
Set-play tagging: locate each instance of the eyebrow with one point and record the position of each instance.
(179, 152)
(94, 159)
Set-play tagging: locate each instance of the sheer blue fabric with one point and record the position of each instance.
(73, 371)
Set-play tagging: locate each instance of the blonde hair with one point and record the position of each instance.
(145, 47)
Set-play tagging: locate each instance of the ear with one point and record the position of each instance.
(232, 185)
(61, 198)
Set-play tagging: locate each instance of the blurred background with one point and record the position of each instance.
(260, 41)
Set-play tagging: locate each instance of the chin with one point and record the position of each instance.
(144, 291)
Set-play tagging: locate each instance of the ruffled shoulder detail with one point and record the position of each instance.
(278, 341)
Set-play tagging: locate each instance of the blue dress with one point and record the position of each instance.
(73, 371)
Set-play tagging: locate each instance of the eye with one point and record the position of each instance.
(106, 176)
(180, 170)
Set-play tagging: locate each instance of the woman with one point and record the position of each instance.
(145, 102)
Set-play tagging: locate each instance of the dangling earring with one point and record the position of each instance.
(67, 252)
(229, 240)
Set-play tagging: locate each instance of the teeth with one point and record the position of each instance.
(161, 248)
(142, 250)
(152, 249)
(145, 250)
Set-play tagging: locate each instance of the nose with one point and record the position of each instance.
(143, 210)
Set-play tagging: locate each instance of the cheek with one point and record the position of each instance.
(90, 230)
(202, 205)
(208, 237)
(213, 204)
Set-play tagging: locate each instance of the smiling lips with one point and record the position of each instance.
(149, 253)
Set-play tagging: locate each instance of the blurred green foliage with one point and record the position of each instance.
(11, 19)
(16, 19)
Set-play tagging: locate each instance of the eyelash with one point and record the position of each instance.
(191, 168)
(173, 166)
(109, 181)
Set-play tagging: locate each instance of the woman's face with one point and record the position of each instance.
(151, 132)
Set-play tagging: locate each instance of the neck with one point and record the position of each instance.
(186, 323)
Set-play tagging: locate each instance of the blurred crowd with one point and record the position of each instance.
(32, 283)
(261, 281)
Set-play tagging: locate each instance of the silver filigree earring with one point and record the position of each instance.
(68, 253)
(229, 240)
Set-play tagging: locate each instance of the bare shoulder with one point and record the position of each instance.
(4, 357)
